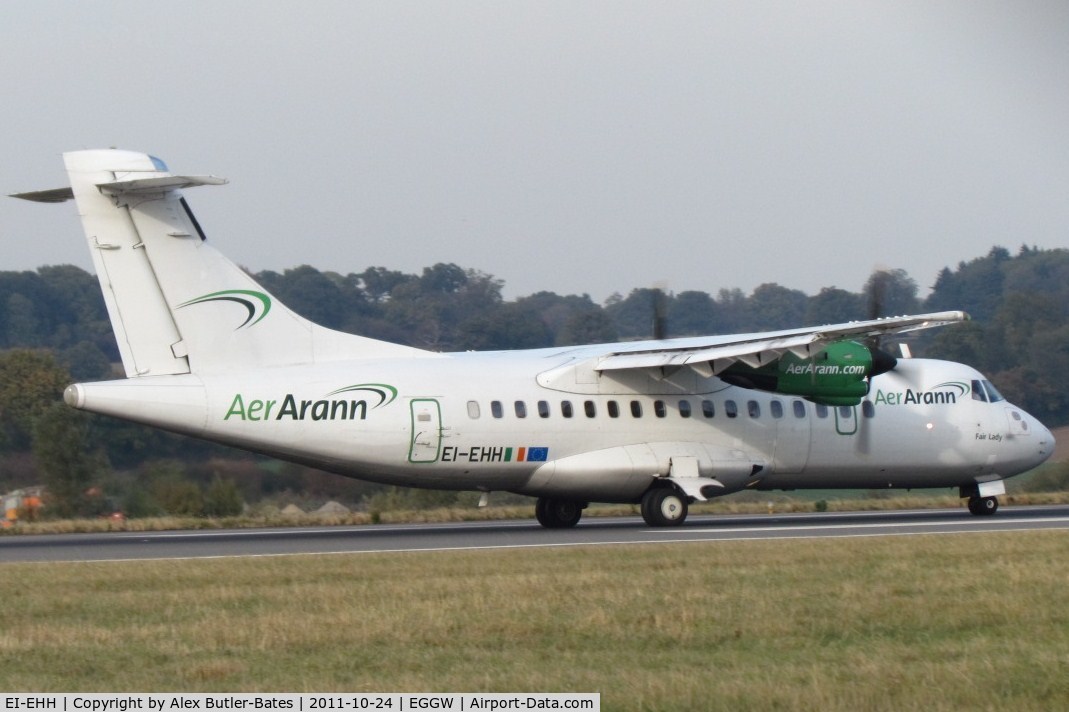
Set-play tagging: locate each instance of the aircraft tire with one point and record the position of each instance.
(558, 513)
(983, 506)
(664, 507)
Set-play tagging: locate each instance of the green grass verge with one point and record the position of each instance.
(937, 623)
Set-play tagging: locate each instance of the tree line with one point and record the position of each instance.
(54, 330)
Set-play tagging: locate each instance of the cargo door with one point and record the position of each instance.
(792, 437)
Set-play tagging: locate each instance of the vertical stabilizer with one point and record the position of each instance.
(176, 304)
(148, 338)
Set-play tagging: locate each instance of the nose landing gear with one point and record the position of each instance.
(983, 496)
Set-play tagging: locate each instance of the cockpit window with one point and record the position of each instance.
(985, 391)
(993, 393)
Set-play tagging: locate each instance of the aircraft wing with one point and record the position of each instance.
(709, 356)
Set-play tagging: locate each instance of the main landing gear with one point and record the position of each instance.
(664, 507)
(983, 505)
(558, 513)
(661, 507)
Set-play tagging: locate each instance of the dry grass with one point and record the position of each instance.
(967, 622)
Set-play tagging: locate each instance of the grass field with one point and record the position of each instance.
(951, 622)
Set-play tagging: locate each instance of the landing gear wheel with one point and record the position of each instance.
(558, 513)
(664, 507)
(981, 506)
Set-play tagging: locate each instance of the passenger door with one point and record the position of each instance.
(426, 430)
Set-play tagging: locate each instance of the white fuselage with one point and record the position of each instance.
(542, 424)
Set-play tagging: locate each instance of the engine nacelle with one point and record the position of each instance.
(838, 375)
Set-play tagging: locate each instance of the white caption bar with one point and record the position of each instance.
(326, 702)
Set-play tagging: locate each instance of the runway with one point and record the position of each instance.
(591, 531)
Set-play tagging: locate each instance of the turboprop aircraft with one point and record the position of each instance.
(210, 353)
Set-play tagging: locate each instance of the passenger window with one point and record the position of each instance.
(822, 410)
(473, 410)
(636, 409)
(566, 409)
(845, 412)
(543, 409)
(614, 409)
(707, 409)
(521, 409)
(753, 408)
(730, 409)
(659, 409)
(496, 410)
(590, 409)
(777, 409)
(799, 409)
(684, 409)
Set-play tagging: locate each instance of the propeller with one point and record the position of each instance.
(660, 311)
(878, 285)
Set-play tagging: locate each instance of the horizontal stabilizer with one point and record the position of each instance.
(149, 186)
(138, 186)
(56, 195)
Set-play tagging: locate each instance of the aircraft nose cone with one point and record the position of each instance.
(1028, 443)
(1039, 444)
(1046, 439)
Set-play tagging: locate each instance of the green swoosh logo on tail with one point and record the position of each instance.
(256, 303)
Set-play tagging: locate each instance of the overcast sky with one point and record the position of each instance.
(579, 147)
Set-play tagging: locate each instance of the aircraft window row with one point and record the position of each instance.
(685, 409)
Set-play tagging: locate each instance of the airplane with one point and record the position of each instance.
(209, 353)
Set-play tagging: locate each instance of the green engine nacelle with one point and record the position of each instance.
(838, 375)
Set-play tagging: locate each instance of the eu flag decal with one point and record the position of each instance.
(537, 454)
